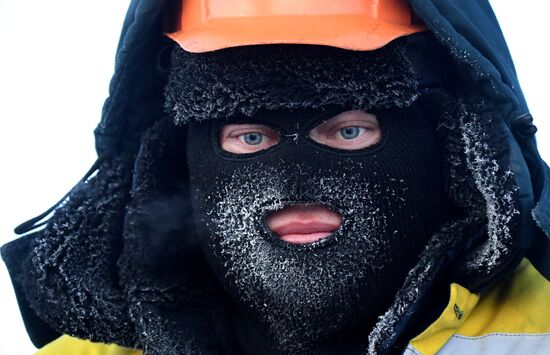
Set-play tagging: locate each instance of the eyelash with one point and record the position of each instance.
(336, 130)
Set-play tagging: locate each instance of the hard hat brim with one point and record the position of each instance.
(208, 25)
(348, 32)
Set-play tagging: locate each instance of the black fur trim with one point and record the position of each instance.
(473, 250)
(243, 80)
(71, 279)
(175, 302)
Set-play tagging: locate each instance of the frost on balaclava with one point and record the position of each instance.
(390, 197)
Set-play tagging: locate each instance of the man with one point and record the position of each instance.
(312, 190)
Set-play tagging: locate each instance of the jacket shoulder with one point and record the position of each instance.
(66, 345)
(511, 318)
(519, 304)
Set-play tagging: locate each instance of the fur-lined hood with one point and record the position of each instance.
(100, 268)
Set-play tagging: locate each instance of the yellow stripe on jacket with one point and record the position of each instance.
(67, 345)
(512, 318)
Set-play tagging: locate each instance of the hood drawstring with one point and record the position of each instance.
(523, 127)
(39, 221)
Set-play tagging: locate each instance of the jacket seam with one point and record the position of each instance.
(411, 348)
(501, 334)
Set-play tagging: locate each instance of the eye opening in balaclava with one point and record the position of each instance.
(292, 126)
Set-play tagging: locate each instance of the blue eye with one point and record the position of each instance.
(253, 138)
(350, 132)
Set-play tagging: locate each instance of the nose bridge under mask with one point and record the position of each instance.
(301, 159)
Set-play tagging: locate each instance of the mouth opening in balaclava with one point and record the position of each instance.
(390, 196)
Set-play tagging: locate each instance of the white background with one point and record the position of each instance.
(56, 60)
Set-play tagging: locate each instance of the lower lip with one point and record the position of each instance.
(305, 238)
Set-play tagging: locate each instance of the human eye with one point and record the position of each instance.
(247, 138)
(350, 130)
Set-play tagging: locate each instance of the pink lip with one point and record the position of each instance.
(303, 224)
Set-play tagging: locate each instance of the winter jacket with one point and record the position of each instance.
(86, 273)
(512, 318)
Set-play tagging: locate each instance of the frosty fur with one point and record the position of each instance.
(479, 183)
(280, 76)
(70, 277)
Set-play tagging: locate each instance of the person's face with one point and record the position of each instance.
(311, 218)
(305, 223)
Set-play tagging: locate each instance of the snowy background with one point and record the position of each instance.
(56, 60)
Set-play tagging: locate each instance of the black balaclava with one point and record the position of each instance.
(296, 298)
(390, 196)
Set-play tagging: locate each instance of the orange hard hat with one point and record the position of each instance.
(208, 25)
